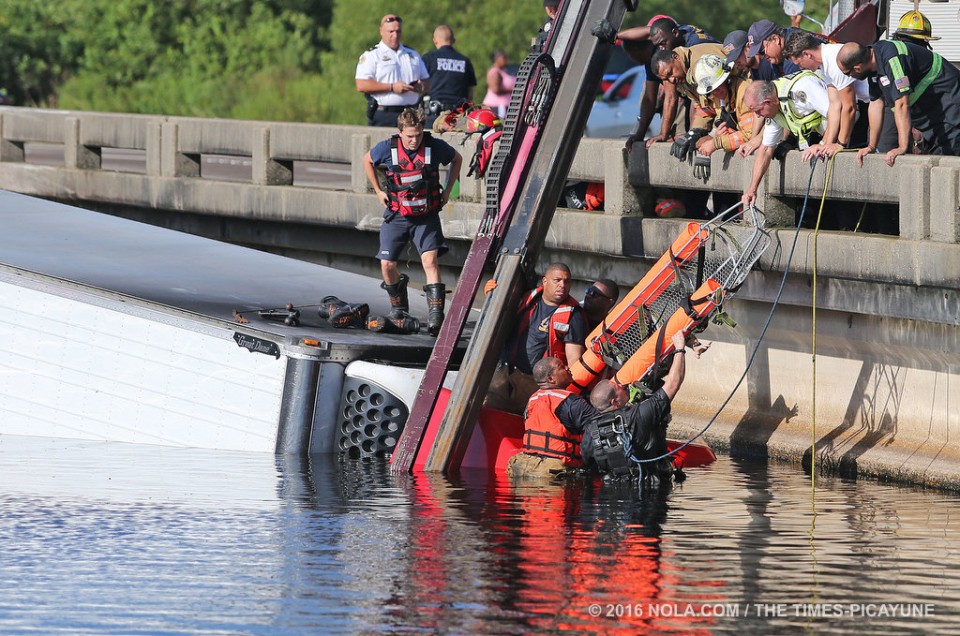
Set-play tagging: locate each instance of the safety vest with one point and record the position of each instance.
(927, 79)
(559, 323)
(544, 434)
(414, 183)
(800, 125)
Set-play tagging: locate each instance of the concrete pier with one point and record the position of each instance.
(880, 394)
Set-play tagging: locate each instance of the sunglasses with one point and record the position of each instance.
(593, 292)
(393, 18)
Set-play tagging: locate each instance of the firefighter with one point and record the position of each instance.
(920, 86)
(551, 438)
(413, 199)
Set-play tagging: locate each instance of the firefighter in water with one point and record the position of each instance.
(413, 199)
(552, 424)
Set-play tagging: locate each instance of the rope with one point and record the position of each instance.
(766, 325)
(813, 344)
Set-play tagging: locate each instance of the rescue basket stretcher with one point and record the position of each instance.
(705, 266)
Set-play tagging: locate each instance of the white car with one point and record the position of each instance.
(615, 114)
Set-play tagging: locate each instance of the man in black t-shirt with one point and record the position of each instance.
(452, 77)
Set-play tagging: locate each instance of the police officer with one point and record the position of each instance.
(391, 75)
(452, 77)
(798, 104)
(920, 86)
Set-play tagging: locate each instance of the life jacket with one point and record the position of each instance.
(413, 182)
(559, 323)
(802, 126)
(544, 434)
(483, 154)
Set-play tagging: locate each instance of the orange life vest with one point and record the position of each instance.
(414, 182)
(544, 434)
(559, 322)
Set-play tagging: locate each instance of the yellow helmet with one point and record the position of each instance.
(914, 24)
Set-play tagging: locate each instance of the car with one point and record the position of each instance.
(615, 114)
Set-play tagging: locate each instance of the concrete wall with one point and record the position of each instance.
(887, 362)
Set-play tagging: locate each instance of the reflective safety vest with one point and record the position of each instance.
(559, 323)
(545, 434)
(413, 182)
(927, 79)
(800, 125)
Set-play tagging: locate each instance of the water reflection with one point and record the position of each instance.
(111, 538)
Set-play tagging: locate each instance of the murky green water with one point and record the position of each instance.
(114, 539)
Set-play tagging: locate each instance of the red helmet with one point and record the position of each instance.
(481, 120)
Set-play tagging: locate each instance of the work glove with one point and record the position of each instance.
(701, 168)
(682, 146)
(489, 286)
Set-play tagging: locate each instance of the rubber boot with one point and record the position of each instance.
(399, 301)
(398, 322)
(436, 299)
(350, 315)
(328, 305)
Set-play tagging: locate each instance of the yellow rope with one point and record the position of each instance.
(813, 418)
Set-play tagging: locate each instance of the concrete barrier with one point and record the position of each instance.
(888, 307)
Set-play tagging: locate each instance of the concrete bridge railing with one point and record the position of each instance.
(888, 321)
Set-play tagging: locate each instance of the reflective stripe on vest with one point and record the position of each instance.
(544, 434)
(414, 183)
(559, 323)
(799, 125)
(927, 80)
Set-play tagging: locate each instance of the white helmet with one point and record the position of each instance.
(709, 73)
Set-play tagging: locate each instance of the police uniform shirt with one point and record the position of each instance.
(691, 36)
(807, 95)
(936, 111)
(383, 64)
(451, 75)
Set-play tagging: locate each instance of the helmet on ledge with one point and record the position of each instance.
(914, 24)
(481, 120)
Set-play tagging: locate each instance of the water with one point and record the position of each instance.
(106, 538)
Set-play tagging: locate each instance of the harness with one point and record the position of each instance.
(413, 183)
(802, 126)
(483, 154)
(609, 451)
(927, 79)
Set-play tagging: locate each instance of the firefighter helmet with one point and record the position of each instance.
(914, 24)
(710, 72)
(481, 120)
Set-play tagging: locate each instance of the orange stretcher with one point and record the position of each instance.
(712, 259)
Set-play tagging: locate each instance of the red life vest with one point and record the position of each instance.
(544, 434)
(414, 183)
(559, 322)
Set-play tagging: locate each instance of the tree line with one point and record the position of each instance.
(281, 60)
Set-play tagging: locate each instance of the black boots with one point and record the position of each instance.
(396, 322)
(436, 299)
(341, 314)
(398, 295)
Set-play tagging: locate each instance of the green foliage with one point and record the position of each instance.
(266, 59)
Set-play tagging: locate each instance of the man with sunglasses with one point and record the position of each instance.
(598, 300)
(391, 75)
